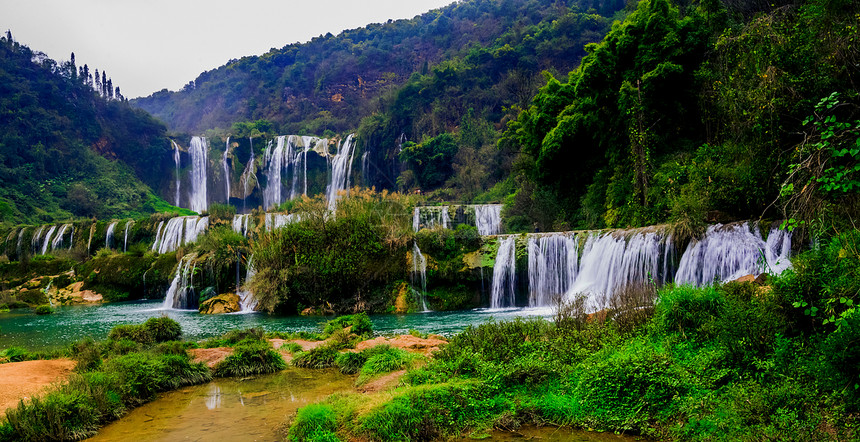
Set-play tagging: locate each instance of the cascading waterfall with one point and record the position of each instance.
(614, 260)
(278, 220)
(226, 170)
(728, 252)
(419, 271)
(20, 242)
(109, 235)
(199, 150)
(176, 160)
(246, 175)
(488, 218)
(36, 241)
(247, 299)
(241, 224)
(503, 292)
(181, 291)
(429, 217)
(47, 240)
(178, 231)
(364, 180)
(341, 168)
(553, 266)
(275, 160)
(125, 236)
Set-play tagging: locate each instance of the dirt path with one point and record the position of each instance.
(23, 380)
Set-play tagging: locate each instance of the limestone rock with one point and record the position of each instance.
(223, 303)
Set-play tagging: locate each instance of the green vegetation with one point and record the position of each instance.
(44, 310)
(251, 357)
(738, 361)
(109, 380)
(61, 141)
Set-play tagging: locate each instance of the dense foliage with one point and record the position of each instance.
(687, 114)
(738, 361)
(61, 141)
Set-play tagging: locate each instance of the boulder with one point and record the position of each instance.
(223, 303)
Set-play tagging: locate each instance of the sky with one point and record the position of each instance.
(149, 45)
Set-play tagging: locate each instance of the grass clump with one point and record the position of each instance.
(315, 422)
(320, 357)
(233, 337)
(384, 359)
(153, 331)
(15, 354)
(250, 357)
(350, 362)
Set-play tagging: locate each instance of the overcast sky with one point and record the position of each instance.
(148, 45)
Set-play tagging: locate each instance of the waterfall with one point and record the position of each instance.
(109, 235)
(553, 266)
(199, 151)
(90, 239)
(71, 237)
(58, 240)
(611, 261)
(226, 170)
(488, 219)
(241, 224)
(178, 231)
(47, 240)
(278, 220)
(503, 292)
(429, 217)
(246, 297)
(176, 160)
(36, 240)
(341, 168)
(419, 270)
(125, 237)
(20, 242)
(275, 160)
(364, 179)
(731, 251)
(246, 175)
(301, 160)
(182, 285)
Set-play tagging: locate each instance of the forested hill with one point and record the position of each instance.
(331, 82)
(67, 150)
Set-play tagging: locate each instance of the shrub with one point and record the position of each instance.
(251, 357)
(292, 347)
(121, 346)
(131, 332)
(44, 309)
(319, 357)
(360, 324)
(233, 337)
(689, 310)
(315, 422)
(87, 354)
(140, 375)
(163, 329)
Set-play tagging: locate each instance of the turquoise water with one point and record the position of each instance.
(68, 324)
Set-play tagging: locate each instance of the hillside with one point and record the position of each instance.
(67, 151)
(331, 82)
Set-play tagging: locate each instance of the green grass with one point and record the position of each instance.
(250, 357)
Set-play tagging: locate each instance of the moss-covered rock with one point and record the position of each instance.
(223, 303)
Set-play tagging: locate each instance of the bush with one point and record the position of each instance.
(360, 324)
(140, 375)
(87, 354)
(131, 332)
(251, 357)
(315, 422)
(319, 357)
(384, 359)
(689, 310)
(44, 309)
(163, 329)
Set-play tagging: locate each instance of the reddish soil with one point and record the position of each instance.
(211, 356)
(23, 380)
(406, 342)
